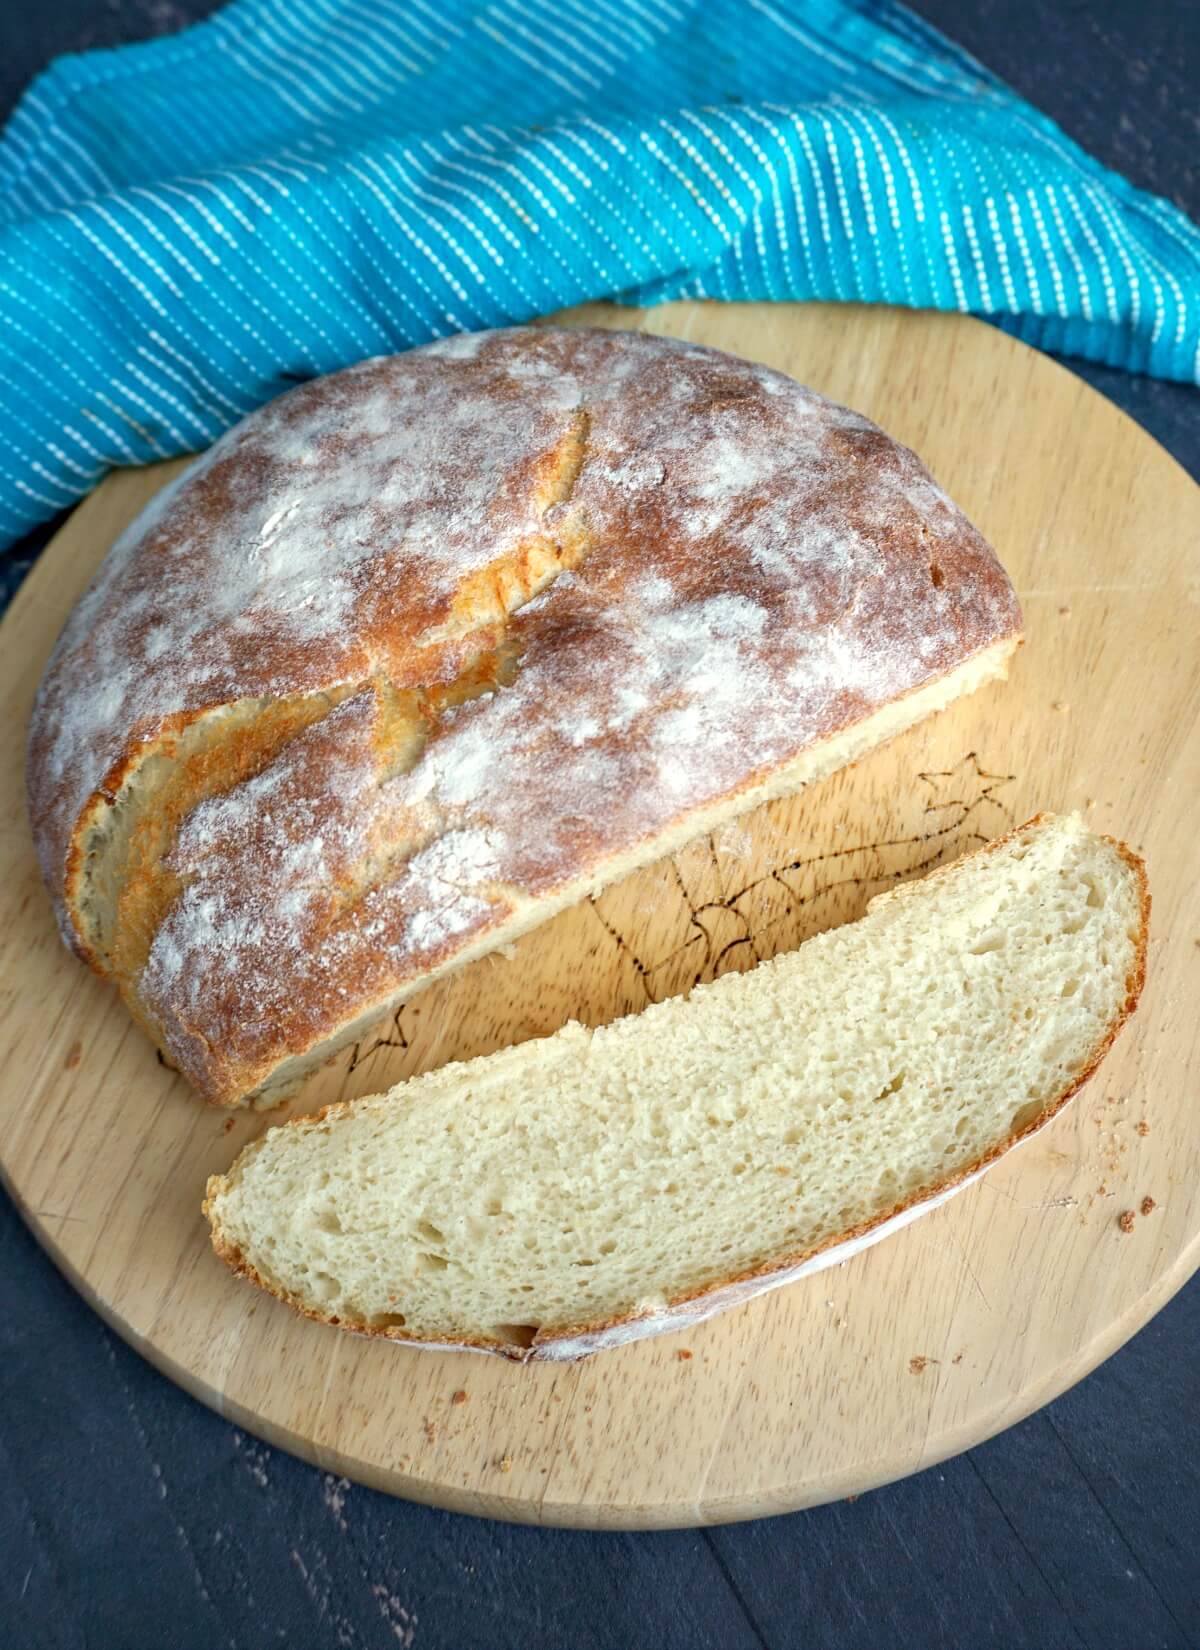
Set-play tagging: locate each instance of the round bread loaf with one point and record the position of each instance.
(421, 652)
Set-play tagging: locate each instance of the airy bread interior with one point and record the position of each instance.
(597, 1176)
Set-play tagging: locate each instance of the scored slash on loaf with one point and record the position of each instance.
(425, 651)
(593, 1187)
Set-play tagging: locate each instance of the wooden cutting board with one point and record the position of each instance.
(939, 1337)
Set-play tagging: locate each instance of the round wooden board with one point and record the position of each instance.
(929, 1343)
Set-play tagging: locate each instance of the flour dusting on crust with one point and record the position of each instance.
(761, 569)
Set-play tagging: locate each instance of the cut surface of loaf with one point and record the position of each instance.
(597, 1186)
(422, 652)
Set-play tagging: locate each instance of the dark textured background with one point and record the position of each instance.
(133, 1519)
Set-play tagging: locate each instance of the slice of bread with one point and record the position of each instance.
(597, 1186)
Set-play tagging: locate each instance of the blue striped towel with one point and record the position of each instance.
(192, 225)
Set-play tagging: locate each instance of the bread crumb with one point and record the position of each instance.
(1125, 1221)
(1060, 705)
(916, 1366)
(850, 1498)
(1148, 1205)
(1143, 1128)
(228, 1124)
(957, 1358)
(430, 1428)
(459, 1397)
(505, 1463)
(1064, 612)
(683, 1355)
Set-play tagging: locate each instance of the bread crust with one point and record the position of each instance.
(568, 1342)
(393, 743)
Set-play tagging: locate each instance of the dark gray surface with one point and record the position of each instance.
(133, 1519)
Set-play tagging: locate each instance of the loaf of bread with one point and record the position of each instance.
(593, 1187)
(424, 651)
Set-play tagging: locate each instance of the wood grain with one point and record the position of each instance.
(910, 1352)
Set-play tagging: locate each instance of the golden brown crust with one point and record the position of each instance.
(740, 571)
(562, 1342)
